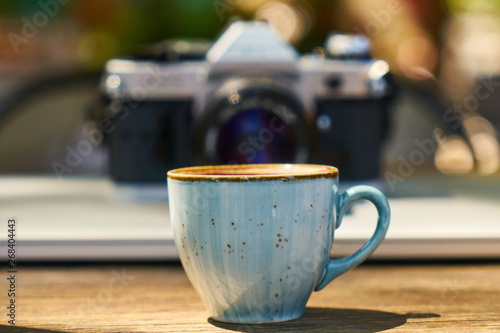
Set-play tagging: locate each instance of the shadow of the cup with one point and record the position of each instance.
(330, 320)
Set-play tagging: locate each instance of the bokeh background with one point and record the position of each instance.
(445, 54)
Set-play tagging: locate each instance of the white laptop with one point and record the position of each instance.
(93, 219)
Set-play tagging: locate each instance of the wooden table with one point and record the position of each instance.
(159, 298)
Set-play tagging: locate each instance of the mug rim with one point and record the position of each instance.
(248, 172)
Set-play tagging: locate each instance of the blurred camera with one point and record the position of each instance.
(248, 98)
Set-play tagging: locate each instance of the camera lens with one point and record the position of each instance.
(253, 123)
(256, 135)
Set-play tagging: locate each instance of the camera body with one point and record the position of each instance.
(250, 99)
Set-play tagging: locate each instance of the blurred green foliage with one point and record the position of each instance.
(134, 23)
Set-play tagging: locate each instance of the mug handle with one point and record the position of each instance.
(336, 267)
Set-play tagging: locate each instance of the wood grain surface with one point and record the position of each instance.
(371, 298)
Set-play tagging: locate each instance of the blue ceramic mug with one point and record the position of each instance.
(254, 239)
